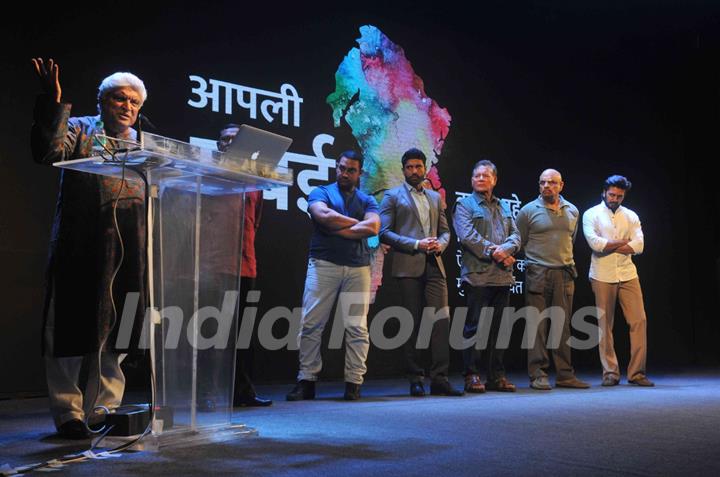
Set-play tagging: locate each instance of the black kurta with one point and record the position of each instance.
(84, 246)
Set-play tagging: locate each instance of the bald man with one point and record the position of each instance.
(548, 226)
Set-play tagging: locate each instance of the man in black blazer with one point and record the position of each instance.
(415, 226)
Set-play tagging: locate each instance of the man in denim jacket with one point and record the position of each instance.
(489, 238)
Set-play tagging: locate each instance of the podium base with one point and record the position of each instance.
(182, 437)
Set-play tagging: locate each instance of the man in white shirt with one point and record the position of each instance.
(614, 235)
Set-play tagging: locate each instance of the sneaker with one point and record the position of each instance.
(541, 384)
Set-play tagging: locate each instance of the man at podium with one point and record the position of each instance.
(96, 249)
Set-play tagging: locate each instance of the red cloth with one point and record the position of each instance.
(253, 212)
(219, 245)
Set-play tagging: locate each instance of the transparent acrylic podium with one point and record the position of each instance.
(195, 225)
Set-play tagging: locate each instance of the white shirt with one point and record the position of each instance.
(600, 224)
(423, 207)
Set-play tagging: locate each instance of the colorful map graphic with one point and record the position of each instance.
(383, 101)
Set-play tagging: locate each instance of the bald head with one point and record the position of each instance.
(551, 184)
(551, 173)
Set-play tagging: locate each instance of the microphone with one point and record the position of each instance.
(146, 122)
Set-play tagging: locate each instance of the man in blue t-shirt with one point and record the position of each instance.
(339, 266)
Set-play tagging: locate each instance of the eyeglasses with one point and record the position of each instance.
(121, 98)
(550, 183)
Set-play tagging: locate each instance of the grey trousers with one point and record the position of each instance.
(629, 294)
(67, 400)
(549, 287)
(326, 282)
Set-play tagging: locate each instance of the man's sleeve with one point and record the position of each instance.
(371, 205)
(637, 239)
(577, 221)
(470, 239)
(596, 242)
(318, 194)
(258, 208)
(523, 227)
(511, 245)
(387, 226)
(443, 227)
(52, 138)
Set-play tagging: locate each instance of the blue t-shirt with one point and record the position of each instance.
(335, 249)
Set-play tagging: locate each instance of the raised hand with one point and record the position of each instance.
(49, 76)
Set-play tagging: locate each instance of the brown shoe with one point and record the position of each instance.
(642, 381)
(610, 380)
(500, 384)
(473, 384)
(573, 382)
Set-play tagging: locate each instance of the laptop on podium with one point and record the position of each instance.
(258, 145)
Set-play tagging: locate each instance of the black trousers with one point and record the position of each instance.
(427, 290)
(212, 292)
(490, 298)
(244, 388)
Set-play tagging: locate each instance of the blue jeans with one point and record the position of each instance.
(351, 285)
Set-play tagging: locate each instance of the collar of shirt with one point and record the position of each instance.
(604, 206)
(539, 202)
(481, 199)
(412, 189)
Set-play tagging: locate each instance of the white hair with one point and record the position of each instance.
(120, 80)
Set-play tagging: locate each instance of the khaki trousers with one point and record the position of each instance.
(629, 294)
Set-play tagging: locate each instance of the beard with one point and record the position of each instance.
(612, 206)
(414, 180)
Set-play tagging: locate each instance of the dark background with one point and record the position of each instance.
(591, 88)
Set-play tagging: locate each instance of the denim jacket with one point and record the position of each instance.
(473, 223)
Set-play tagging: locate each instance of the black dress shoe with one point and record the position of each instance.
(251, 401)
(352, 392)
(302, 390)
(73, 429)
(444, 388)
(417, 389)
(500, 384)
(206, 404)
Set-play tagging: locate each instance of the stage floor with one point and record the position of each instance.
(671, 429)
